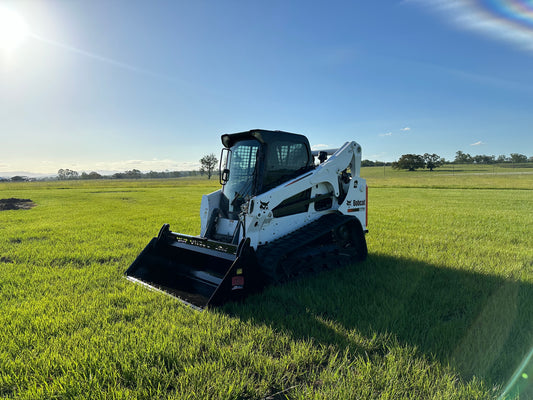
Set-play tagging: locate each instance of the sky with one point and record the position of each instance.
(151, 85)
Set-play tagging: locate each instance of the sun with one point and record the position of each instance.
(13, 29)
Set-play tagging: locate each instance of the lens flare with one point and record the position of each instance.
(515, 385)
(13, 29)
(508, 20)
(519, 12)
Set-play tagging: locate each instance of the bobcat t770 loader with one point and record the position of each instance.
(277, 215)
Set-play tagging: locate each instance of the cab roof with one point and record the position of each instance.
(264, 137)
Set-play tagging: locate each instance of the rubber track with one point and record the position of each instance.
(269, 255)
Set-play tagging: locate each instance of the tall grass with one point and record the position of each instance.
(442, 308)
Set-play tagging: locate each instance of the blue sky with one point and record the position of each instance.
(116, 85)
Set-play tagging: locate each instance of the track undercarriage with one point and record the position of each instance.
(332, 240)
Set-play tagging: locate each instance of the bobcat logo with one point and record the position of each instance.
(264, 205)
(355, 203)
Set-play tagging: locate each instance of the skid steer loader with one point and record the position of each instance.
(277, 215)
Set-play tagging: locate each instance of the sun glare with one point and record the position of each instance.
(13, 29)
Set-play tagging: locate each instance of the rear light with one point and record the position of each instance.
(237, 282)
(366, 208)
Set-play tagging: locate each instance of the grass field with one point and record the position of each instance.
(442, 308)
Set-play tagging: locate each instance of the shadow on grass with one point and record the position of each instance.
(480, 324)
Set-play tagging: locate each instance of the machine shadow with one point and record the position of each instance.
(479, 324)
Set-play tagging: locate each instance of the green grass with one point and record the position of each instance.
(442, 308)
(453, 176)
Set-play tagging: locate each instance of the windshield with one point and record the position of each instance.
(242, 166)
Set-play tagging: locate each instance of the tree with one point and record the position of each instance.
(95, 175)
(432, 161)
(463, 158)
(92, 175)
(518, 158)
(409, 161)
(63, 174)
(133, 174)
(501, 158)
(367, 163)
(488, 159)
(208, 162)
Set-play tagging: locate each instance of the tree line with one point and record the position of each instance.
(68, 174)
(412, 162)
(131, 174)
(515, 158)
(209, 163)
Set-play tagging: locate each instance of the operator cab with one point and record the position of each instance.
(256, 161)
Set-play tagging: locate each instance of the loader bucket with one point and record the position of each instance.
(197, 271)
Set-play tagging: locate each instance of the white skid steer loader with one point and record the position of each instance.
(278, 215)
